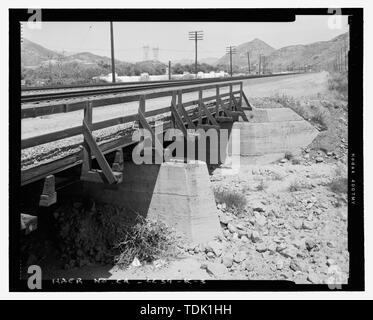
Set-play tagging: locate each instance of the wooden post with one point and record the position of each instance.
(181, 108)
(200, 106)
(87, 156)
(241, 90)
(173, 103)
(178, 122)
(217, 101)
(230, 96)
(90, 146)
(142, 108)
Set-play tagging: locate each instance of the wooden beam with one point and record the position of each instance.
(247, 101)
(200, 106)
(106, 170)
(239, 108)
(178, 122)
(184, 112)
(34, 110)
(208, 114)
(54, 166)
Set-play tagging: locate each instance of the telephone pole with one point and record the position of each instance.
(260, 63)
(112, 52)
(248, 60)
(231, 50)
(195, 36)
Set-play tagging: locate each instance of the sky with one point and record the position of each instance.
(172, 37)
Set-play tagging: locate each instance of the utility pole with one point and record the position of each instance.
(195, 36)
(112, 52)
(169, 70)
(248, 60)
(231, 50)
(260, 63)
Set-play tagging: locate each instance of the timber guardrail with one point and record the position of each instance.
(205, 107)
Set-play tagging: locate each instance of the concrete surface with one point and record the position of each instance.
(272, 134)
(177, 193)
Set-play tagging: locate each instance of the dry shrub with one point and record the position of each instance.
(147, 240)
(295, 186)
(261, 186)
(288, 155)
(99, 233)
(232, 199)
(339, 185)
(338, 82)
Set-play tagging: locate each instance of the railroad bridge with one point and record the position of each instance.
(94, 158)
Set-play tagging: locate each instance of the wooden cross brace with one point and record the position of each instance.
(239, 108)
(105, 174)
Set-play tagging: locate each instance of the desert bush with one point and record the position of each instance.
(295, 186)
(295, 161)
(100, 233)
(338, 82)
(339, 185)
(261, 186)
(147, 240)
(288, 155)
(232, 199)
(319, 117)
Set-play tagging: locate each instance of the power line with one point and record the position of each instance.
(112, 52)
(195, 36)
(231, 50)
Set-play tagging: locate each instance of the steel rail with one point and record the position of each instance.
(126, 87)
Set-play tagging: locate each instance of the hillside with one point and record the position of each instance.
(320, 54)
(254, 47)
(33, 54)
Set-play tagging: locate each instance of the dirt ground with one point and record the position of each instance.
(294, 224)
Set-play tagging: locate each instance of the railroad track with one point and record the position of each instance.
(67, 92)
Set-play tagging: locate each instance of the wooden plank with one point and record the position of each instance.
(33, 110)
(178, 122)
(239, 108)
(200, 106)
(208, 114)
(70, 132)
(247, 101)
(98, 154)
(87, 154)
(187, 118)
(36, 173)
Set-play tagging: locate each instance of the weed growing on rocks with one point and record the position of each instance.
(261, 186)
(147, 240)
(288, 155)
(338, 82)
(232, 199)
(339, 185)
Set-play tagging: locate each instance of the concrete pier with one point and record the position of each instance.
(176, 193)
(271, 133)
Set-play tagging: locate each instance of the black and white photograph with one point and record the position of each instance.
(186, 150)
